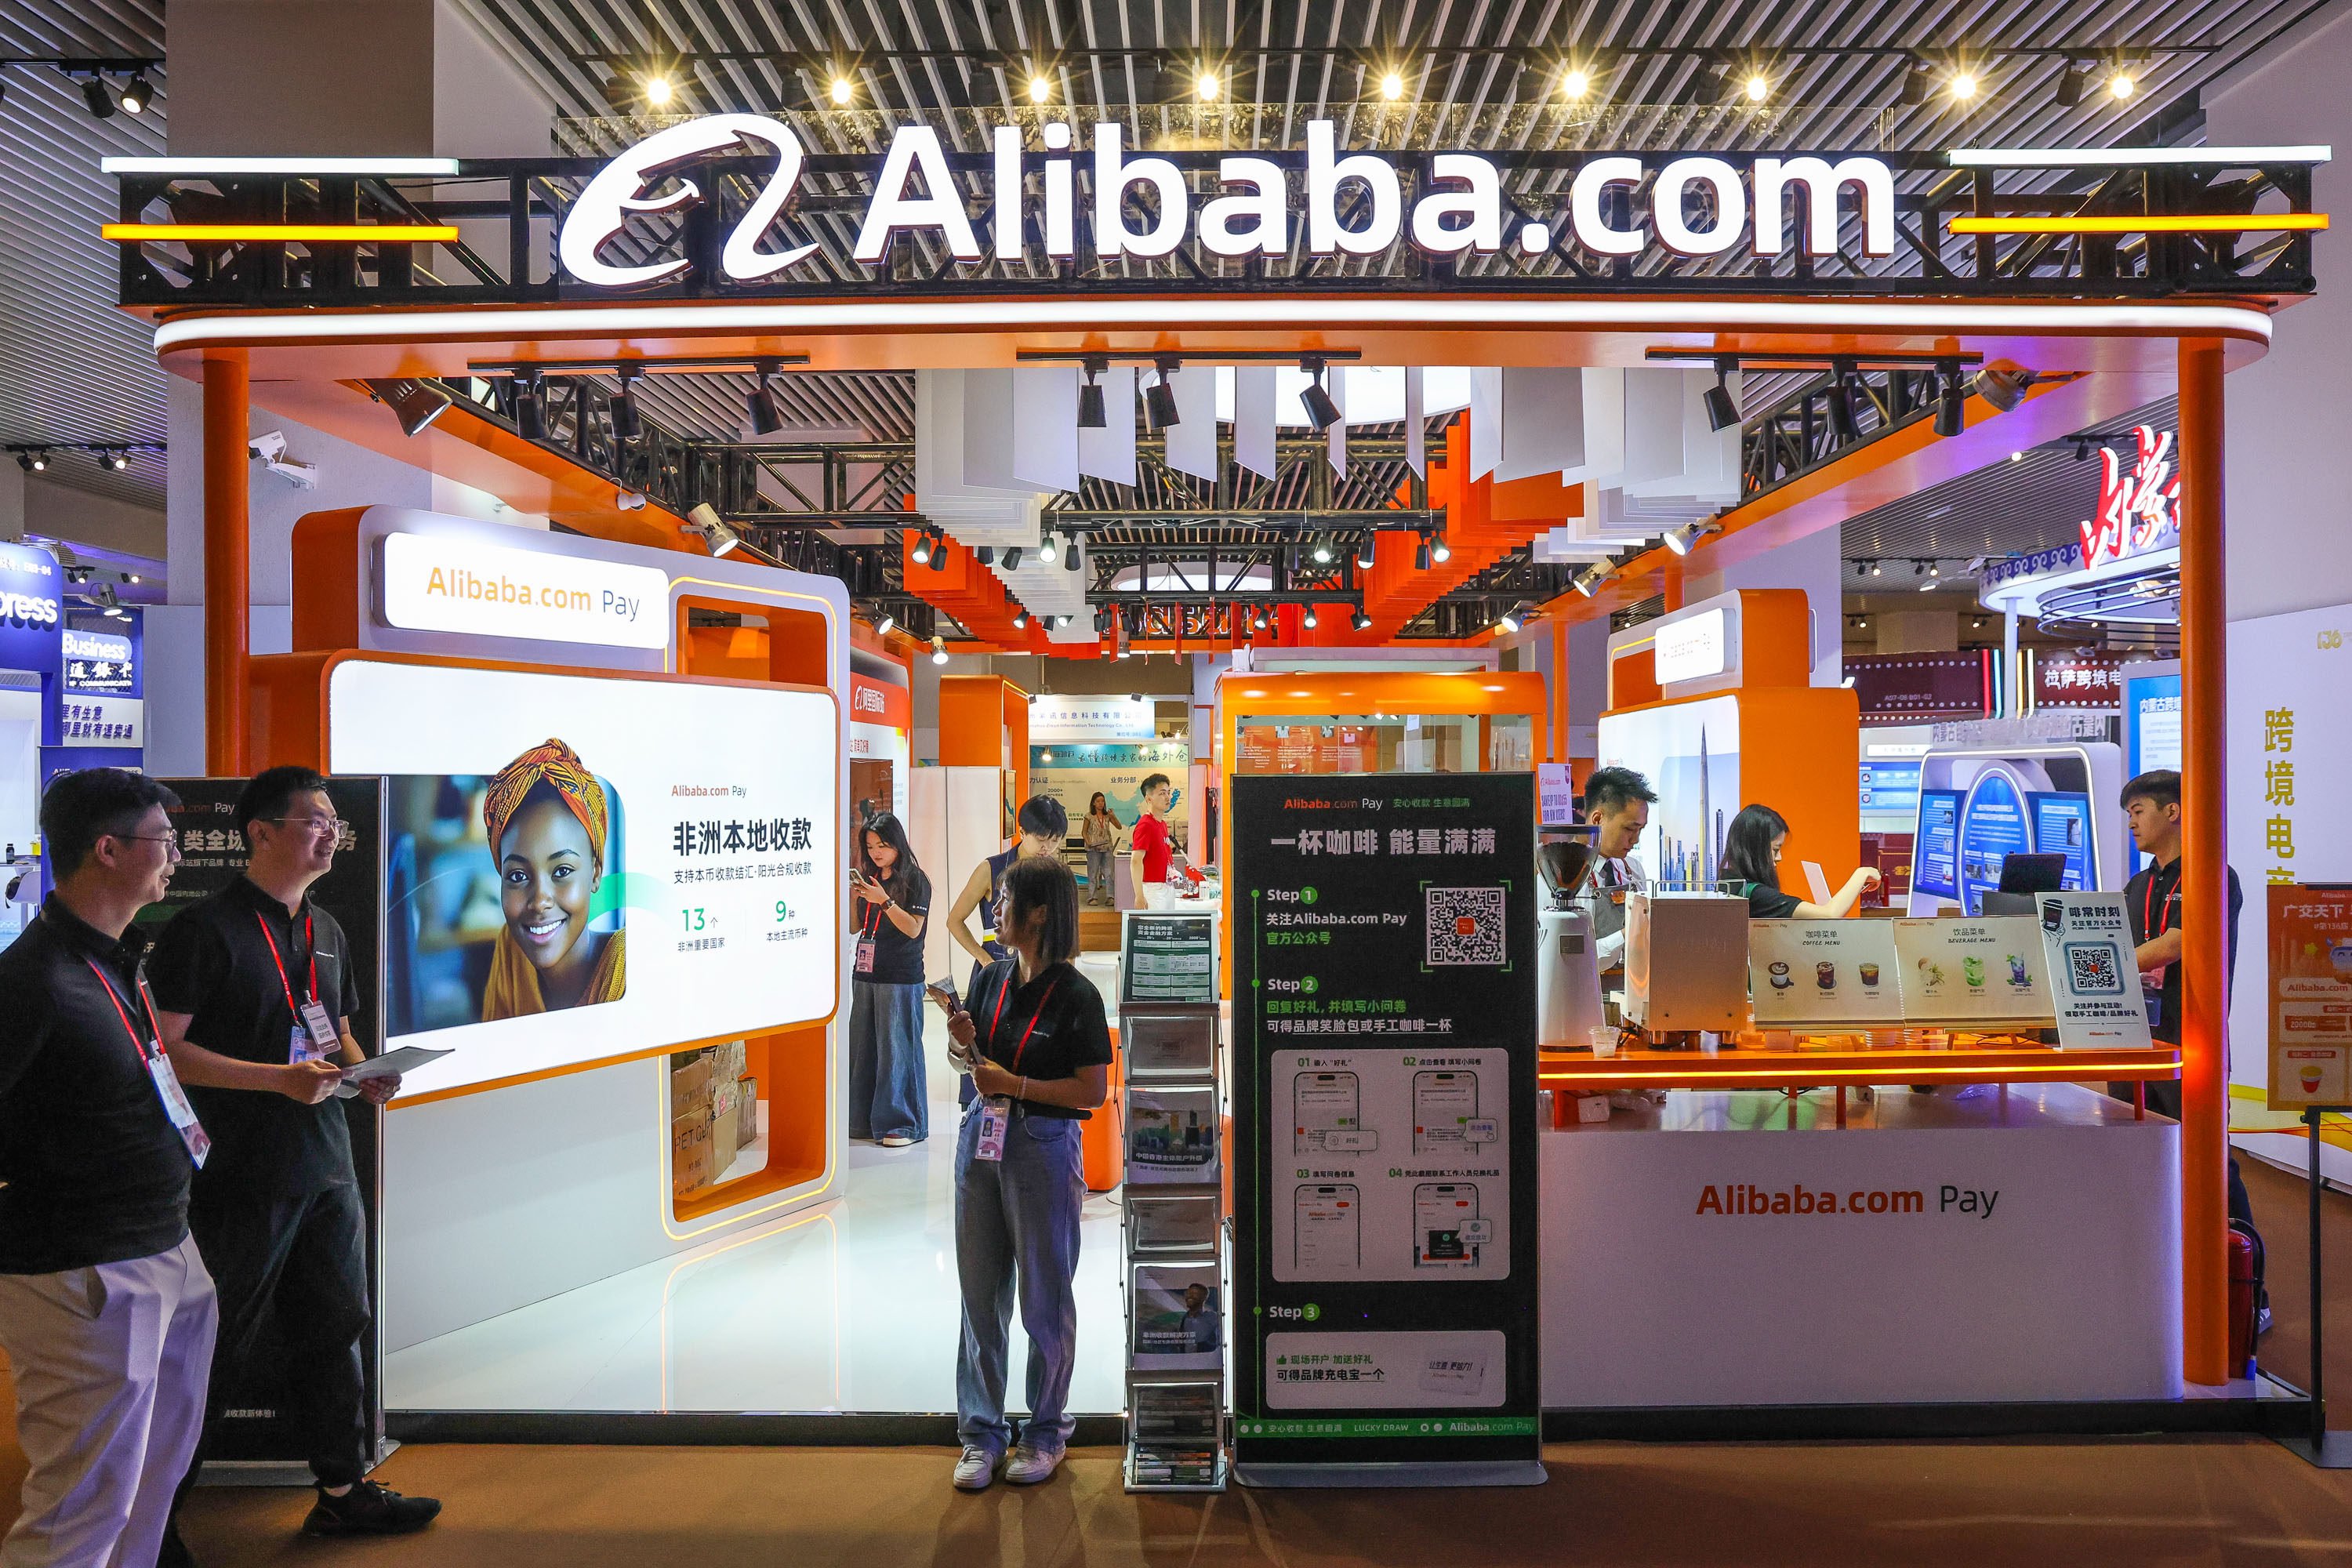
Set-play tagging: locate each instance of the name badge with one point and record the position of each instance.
(175, 1104)
(995, 1120)
(314, 1037)
(865, 955)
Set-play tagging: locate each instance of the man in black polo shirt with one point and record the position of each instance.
(256, 997)
(105, 1310)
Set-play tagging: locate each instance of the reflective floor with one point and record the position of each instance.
(849, 1306)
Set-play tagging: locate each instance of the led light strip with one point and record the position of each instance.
(2070, 157)
(201, 166)
(294, 233)
(1937, 319)
(2195, 223)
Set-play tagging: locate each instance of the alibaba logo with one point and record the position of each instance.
(618, 191)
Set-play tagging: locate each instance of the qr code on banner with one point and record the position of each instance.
(2092, 965)
(1466, 925)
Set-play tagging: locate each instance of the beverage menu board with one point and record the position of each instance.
(1806, 972)
(1384, 1057)
(1973, 972)
(2311, 996)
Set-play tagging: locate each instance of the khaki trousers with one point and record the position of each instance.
(110, 1364)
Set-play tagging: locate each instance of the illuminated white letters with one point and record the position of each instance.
(1113, 175)
(915, 148)
(606, 202)
(1061, 197)
(1479, 204)
(1822, 183)
(1268, 208)
(1325, 175)
(1587, 222)
(1730, 206)
(1006, 140)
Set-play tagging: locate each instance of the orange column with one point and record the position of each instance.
(1671, 583)
(2204, 911)
(229, 570)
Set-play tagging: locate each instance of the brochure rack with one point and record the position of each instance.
(1173, 1276)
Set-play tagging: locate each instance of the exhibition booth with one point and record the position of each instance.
(641, 1206)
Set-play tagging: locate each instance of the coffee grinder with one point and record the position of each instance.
(1567, 965)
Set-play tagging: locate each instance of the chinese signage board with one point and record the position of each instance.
(1168, 958)
(1383, 1115)
(2077, 681)
(106, 662)
(2139, 500)
(2310, 996)
(2086, 940)
(1093, 719)
(1907, 688)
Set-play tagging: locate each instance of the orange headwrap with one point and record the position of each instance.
(558, 766)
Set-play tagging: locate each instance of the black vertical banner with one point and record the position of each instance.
(1385, 1085)
(214, 854)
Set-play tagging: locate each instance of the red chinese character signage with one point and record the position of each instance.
(2139, 505)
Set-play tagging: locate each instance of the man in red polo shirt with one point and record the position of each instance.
(1151, 847)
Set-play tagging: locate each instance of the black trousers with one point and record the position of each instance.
(302, 1259)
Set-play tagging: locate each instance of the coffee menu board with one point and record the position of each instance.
(1168, 957)
(2311, 995)
(1384, 1171)
(1806, 972)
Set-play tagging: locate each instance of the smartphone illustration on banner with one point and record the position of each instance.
(1326, 1231)
(1323, 1103)
(1442, 1213)
(1444, 1105)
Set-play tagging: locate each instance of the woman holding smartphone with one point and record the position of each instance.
(1102, 839)
(1033, 1034)
(886, 1098)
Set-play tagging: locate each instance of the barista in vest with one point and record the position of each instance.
(1617, 803)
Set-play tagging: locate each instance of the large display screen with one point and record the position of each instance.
(1690, 753)
(1890, 789)
(2063, 825)
(1936, 849)
(1992, 829)
(585, 867)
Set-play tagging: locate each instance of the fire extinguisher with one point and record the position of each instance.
(2244, 1303)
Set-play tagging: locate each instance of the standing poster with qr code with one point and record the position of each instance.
(2086, 942)
(1383, 1147)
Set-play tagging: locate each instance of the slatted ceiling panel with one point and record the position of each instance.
(72, 366)
(2035, 503)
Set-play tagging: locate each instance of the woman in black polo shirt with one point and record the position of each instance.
(887, 1101)
(1751, 867)
(1032, 1028)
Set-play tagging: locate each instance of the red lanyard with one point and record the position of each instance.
(868, 929)
(291, 1006)
(120, 1011)
(1005, 991)
(2148, 918)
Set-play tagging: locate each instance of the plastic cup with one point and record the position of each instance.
(1604, 1042)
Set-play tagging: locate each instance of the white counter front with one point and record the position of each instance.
(1738, 1248)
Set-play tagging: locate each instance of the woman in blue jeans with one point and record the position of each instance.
(1038, 1049)
(887, 1099)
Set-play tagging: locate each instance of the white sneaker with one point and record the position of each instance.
(894, 1141)
(975, 1469)
(1029, 1466)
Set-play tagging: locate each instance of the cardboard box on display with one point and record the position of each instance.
(723, 1144)
(746, 1111)
(690, 1085)
(690, 1161)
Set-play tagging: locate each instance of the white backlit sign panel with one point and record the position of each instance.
(1692, 649)
(442, 583)
(598, 866)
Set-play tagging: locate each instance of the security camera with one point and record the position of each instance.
(629, 501)
(269, 446)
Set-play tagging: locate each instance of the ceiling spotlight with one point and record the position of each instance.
(1842, 424)
(1204, 87)
(117, 460)
(1322, 412)
(1918, 568)
(95, 93)
(1757, 87)
(1722, 413)
(1507, 622)
(1041, 87)
(1046, 548)
(1439, 551)
(939, 649)
(1951, 400)
(2121, 86)
(2082, 449)
(921, 553)
(415, 403)
(1583, 582)
(2069, 92)
(1322, 551)
(1362, 621)
(1917, 83)
(658, 90)
(2004, 387)
(1071, 554)
(1160, 409)
(984, 553)
(33, 462)
(1962, 87)
(717, 536)
(530, 406)
(1393, 86)
(1876, 570)
(1574, 84)
(626, 426)
(1308, 619)
(1257, 621)
(1365, 552)
(1680, 539)
(1091, 413)
(137, 95)
(1020, 618)
(761, 405)
(2017, 457)
(1420, 556)
(1013, 558)
(842, 90)
(882, 625)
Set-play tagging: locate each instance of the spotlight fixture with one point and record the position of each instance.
(1091, 413)
(882, 625)
(705, 520)
(117, 460)
(1020, 618)
(984, 553)
(939, 649)
(1722, 413)
(415, 403)
(1918, 568)
(1584, 582)
(1935, 568)
(1205, 87)
(2082, 449)
(1439, 551)
(842, 90)
(530, 406)
(1951, 401)
(760, 405)
(2122, 85)
(1046, 550)
(1160, 409)
(2003, 388)
(1680, 539)
(1041, 87)
(1393, 86)
(33, 462)
(1842, 424)
(1574, 83)
(1507, 622)
(921, 553)
(1420, 556)
(136, 94)
(1308, 619)
(1757, 87)
(1322, 551)
(1876, 570)
(1013, 558)
(1257, 621)
(1962, 87)
(101, 100)
(2069, 93)
(2017, 457)
(658, 90)
(1322, 412)
(1861, 625)
(1918, 82)
(1366, 551)
(1362, 621)
(629, 501)
(1072, 554)
(626, 426)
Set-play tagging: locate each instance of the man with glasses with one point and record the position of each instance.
(256, 997)
(106, 1312)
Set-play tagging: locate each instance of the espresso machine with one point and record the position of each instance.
(1567, 962)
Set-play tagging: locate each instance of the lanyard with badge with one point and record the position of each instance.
(996, 1109)
(159, 1069)
(870, 929)
(314, 1037)
(2151, 981)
